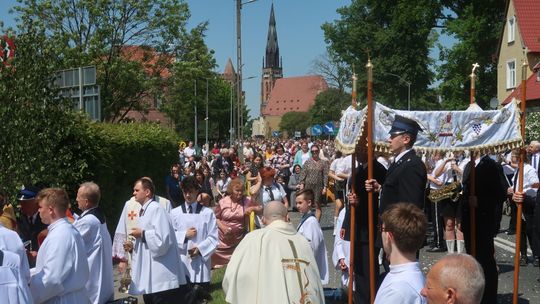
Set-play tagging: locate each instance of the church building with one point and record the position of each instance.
(280, 95)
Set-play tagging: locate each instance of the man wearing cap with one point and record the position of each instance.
(29, 222)
(406, 177)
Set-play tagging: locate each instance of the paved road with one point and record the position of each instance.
(504, 245)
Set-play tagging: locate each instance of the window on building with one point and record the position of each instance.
(511, 74)
(511, 29)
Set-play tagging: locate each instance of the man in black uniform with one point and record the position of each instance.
(29, 222)
(407, 176)
(490, 189)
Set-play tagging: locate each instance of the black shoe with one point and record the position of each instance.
(536, 262)
(436, 249)
(510, 232)
(523, 261)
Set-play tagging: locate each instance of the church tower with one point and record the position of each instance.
(272, 65)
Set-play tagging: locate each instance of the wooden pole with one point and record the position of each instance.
(520, 183)
(472, 192)
(352, 226)
(371, 228)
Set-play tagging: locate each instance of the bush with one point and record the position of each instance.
(126, 153)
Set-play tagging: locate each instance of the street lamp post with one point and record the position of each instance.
(408, 83)
(206, 118)
(239, 96)
(195, 107)
(231, 124)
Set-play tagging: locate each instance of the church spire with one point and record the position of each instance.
(272, 48)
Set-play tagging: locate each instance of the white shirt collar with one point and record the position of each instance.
(400, 155)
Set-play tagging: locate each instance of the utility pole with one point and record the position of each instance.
(195, 106)
(206, 119)
(239, 66)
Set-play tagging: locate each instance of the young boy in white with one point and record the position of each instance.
(196, 232)
(310, 228)
(342, 250)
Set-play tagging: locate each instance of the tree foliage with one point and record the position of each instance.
(328, 106)
(294, 121)
(476, 25)
(335, 71)
(90, 32)
(397, 35)
(43, 140)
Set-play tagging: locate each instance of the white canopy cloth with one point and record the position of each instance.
(485, 131)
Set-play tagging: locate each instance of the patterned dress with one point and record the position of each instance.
(314, 176)
(232, 216)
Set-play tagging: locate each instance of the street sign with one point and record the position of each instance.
(317, 130)
(275, 133)
(308, 131)
(329, 128)
(297, 134)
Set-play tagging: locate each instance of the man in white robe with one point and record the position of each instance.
(10, 241)
(310, 228)
(197, 235)
(61, 270)
(97, 240)
(273, 265)
(129, 219)
(12, 288)
(403, 229)
(157, 272)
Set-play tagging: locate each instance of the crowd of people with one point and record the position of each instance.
(229, 206)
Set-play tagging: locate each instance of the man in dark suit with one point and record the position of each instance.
(29, 221)
(490, 190)
(361, 253)
(407, 176)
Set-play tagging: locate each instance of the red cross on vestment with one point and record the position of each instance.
(132, 215)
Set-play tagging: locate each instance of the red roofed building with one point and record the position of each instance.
(520, 42)
(151, 61)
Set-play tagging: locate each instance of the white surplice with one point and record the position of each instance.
(155, 263)
(97, 240)
(61, 270)
(342, 250)
(273, 265)
(12, 288)
(311, 230)
(206, 240)
(129, 218)
(10, 241)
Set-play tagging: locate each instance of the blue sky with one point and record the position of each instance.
(298, 24)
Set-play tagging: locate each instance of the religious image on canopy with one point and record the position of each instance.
(490, 131)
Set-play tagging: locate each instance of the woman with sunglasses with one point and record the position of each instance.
(314, 176)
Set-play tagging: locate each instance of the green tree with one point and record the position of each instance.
(90, 32)
(335, 71)
(294, 121)
(398, 36)
(43, 140)
(328, 106)
(476, 25)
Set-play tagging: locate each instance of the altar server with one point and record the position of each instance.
(129, 218)
(273, 265)
(196, 232)
(310, 228)
(342, 250)
(62, 267)
(157, 273)
(93, 229)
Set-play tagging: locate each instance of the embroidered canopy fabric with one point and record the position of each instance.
(485, 131)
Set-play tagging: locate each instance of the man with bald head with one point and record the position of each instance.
(273, 265)
(456, 278)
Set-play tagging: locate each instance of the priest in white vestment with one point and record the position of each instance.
(342, 251)
(273, 265)
(196, 233)
(97, 240)
(310, 228)
(13, 289)
(61, 270)
(157, 272)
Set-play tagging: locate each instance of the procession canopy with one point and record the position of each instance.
(492, 131)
